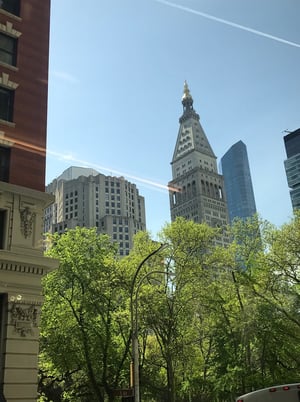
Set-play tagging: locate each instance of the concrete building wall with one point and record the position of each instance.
(22, 266)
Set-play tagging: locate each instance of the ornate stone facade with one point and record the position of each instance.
(22, 266)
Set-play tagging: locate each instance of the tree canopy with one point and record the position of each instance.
(213, 322)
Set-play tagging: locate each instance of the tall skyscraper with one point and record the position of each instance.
(292, 166)
(197, 189)
(24, 47)
(238, 184)
(84, 197)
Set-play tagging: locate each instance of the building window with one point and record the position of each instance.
(6, 104)
(11, 6)
(4, 164)
(8, 49)
(2, 228)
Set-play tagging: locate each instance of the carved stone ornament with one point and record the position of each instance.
(27, 218)
(24, 319)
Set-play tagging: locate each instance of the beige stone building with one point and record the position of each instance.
(24, 48)
(84, 197)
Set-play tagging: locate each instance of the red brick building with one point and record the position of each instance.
(24, 52)
(24, 49)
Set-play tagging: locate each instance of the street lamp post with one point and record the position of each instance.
(134, 327)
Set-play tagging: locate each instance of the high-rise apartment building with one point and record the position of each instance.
(238, 184)
(84, 197)
(24, 47)
(292, 166)
(197, 189)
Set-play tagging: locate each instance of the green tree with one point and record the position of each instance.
(263, 265)
(167, 308)
(85, 329)
(213, 322)
(274, 283)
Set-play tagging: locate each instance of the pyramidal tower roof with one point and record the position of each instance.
(191, 136)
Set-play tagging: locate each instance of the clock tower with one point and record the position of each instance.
(197, 189)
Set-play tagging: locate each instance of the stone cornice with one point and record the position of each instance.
(26, 264)
(44, 198)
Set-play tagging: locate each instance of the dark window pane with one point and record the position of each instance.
(8, 49)
(12, 6)
(2, 228)
(6, 104)
(4, 164)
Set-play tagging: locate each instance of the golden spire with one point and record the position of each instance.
(186, 91)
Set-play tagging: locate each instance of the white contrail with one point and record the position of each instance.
(146, 182)
(232, 24)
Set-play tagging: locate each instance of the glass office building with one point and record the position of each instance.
(238, 184)
(292, 166)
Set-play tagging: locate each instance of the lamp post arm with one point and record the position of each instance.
(137, 291)
(134, 327)
(161, 247)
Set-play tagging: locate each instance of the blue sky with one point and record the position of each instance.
(116, 75)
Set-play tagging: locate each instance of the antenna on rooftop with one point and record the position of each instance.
(286, 131)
